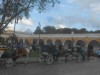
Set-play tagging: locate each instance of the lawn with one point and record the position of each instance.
(34, 54)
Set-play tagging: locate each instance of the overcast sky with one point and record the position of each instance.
(69, 13)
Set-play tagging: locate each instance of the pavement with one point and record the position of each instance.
(35, 59)
(30, 60)
(71, 68)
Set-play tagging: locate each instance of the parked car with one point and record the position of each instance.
(98, 53)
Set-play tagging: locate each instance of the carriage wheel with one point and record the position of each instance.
(9, 62)
(69, 57)
(40, 58)
(49, 59)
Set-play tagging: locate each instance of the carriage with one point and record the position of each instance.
(8, 57)
(76, 53)
(5, 59)
(50, 54)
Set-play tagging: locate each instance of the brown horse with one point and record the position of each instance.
(21, 52)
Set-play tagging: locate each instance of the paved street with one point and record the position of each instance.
(71, 68)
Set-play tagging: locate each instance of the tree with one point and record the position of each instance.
(64, 30)
(83, 30)
(14, 9)
(97, 31)
(38, 30)
(49, 30)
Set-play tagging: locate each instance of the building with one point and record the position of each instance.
(64, 40)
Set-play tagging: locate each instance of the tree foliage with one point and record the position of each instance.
(49, 30)
(53, 30)
(38, 30)
(16, 9)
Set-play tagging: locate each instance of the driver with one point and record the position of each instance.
(18, 45)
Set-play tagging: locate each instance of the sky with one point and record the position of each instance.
(68, 14)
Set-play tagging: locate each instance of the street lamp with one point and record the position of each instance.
(39, 29)
(14, 36)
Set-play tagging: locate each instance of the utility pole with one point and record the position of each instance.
(39, 29)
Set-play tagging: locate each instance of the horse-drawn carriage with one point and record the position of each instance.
(48, 54)
(8, 57)
(5, 59)
(76, 53)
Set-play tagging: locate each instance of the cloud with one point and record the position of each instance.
(95, 8)
(10, 26)
(69, 13)
(25, 21)
(93, 5)
(89, 23)
(86, 3)
(22, 25)
(86, 14)
(70, 1)
(61, 26)
(84, 23)
(57, 21)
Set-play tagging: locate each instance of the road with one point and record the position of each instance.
(71, 68)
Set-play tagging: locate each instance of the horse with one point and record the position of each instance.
(21, 52)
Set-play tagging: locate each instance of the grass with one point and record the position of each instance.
(34, 54)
